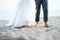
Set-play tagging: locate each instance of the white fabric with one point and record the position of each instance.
(17, 11)
(26, 12)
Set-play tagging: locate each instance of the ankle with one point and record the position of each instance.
(46, 24)
(37, 24)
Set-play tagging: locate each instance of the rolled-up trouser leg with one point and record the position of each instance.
(45, 10)
(38, 5)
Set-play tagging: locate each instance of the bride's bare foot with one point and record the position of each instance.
(26, 25)
(37, 24)
(23, 26)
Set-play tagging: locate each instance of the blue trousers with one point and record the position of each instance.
(44, 4)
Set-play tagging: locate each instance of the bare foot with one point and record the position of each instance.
(26, 25)
(46, 24)
(23, 26)
(37, 24)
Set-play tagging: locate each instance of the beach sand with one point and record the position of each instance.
(33, 33)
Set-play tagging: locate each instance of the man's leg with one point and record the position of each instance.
(38, 5)
(45, 9)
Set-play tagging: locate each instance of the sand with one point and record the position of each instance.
(33, 33)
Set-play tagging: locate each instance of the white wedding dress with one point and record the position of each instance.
(18, 12)
(25, 12)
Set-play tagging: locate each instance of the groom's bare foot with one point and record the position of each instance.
(46, 24)
(37, 24)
